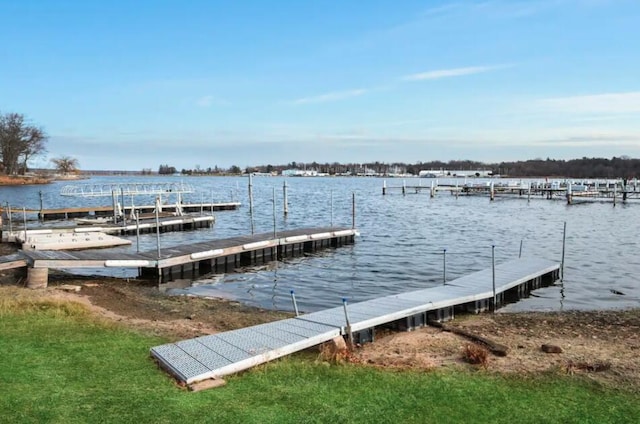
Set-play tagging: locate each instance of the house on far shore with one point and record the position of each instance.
(299, 173)
(461, 173)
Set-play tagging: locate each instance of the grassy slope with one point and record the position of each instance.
(59, 365)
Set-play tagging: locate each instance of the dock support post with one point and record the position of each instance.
(564, 238)
(404, 187)
(444, 266)
(295, 304)
(41, 206)
(492, 192)
(384, 187)
(124, 215)
(493, 275)
(24, 218)
(251, 201)
(569, 194)
(10, 218)
(331, 206)
(624, 190)
(457, 189)
(37, 278)
(274, 213)
(529, 193)
(432, 193)
(346, 317)
(520, 253)
(158, 226)
(353, 210)
(285, 200)
(137, 216)
(115, 212)
(615, 192)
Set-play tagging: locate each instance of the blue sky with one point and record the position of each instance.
(135, 84)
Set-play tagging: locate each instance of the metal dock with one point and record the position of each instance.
(184, 261)
(226, 353)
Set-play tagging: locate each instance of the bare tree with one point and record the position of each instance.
(19, 142)
(65, 164)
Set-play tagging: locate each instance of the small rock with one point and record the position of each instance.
(192, 316)
(69, 287)
(549, 348)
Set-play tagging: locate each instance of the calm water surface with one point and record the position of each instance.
(402, 240)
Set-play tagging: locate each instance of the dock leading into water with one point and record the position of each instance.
(218, 355)
(167, 263)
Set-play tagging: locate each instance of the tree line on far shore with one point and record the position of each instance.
(616, 167)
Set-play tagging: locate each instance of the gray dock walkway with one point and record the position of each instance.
(233, 351)
(196, 258)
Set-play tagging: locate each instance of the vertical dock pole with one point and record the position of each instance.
(564, 238)
(331, 206)
(346, 317)
(124, 215)
(295, 304)
(444, 266)
(432, 193)
(404, 187)
(274, 213)
(520, 254)
(493, 275)
(384, 187)
(569, 194)
(137, 215)
(9, 215)
(115, 212)
(41, 206)
(457, 188)
(251, 202)
(158, 226)
(615, 192)
(353, 210)
(285, 200)
(24, 218)
(529, 193)
(492, 192)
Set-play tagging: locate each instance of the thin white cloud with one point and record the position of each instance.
(208, 101)
(331, 97)
(608, 103)
(453, 72)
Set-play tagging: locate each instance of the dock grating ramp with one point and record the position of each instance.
(232, 351)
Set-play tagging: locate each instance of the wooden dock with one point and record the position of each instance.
(226, 353)
(191, 260)
(165, 224)
(108, 211)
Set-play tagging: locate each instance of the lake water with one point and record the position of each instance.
(402, 240)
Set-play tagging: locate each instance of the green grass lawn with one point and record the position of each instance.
(59, 365)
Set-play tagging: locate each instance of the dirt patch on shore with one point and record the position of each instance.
(603, 344)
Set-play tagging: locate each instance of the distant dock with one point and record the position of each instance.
(108, 211)
(614, 191)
